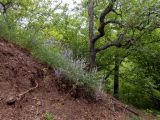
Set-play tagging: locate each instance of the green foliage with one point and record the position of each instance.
(135, 118)
(48, 116)
(140, 75)
(158, 117)
(35, 37)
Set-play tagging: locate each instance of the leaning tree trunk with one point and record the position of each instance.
(92, 54)
(116, 75)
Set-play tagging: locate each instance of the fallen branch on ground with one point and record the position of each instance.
(126, 107)
(19, 97)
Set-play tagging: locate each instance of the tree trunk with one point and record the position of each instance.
(92, 54)
(116, 75)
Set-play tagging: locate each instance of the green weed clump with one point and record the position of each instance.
(48, 116)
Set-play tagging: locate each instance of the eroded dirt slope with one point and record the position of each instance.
(19, 71)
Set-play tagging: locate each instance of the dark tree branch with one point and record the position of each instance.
(114, 22)
(3, 5)
(108, 74)
(116, 43)
(121, 60)
(6, 5)
(102, 24)
(57, 6)
(116, 12)
(106, 11)
(113, 43)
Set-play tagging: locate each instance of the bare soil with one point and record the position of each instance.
(19, 72)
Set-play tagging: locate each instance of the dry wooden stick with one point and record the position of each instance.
(12, 100)
(22, 95)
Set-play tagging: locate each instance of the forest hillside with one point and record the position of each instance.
(31, 91)
(94, 50)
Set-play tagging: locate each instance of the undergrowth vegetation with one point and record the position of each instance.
(48, 116)
(62, 61)
(56, 56)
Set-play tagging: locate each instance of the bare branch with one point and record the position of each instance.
(57, 6)
(6, 6)
(113, 43)
(116, 12)
(106, 11)
(114, 22)
(116, 43)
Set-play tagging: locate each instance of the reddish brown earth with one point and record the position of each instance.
(19, 72)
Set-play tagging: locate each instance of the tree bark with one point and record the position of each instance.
(116, 75)
(93, 38)
(91, 34)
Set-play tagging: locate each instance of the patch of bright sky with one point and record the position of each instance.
(71, 2)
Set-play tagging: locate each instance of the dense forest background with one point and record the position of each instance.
(107, 45)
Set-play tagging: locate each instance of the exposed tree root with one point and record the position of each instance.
(130, 110)
(114, 104)
(19, 97)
